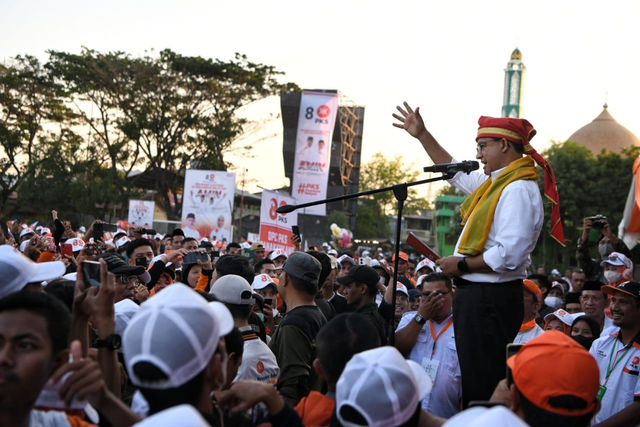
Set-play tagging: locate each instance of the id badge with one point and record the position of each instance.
(431, 368)
(601, 391)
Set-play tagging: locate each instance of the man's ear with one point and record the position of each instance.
(213, 374)
(318, 369)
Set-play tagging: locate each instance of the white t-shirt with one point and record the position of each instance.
(528, 335)
(258, 362)
(444, 399)
(623, 387)
(514, 231)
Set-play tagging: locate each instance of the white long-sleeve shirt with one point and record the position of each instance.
(515, 229)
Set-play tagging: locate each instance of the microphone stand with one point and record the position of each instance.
(400, 191)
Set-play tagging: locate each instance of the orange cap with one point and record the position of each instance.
(531, 286)
(403, 256)
(569, 369)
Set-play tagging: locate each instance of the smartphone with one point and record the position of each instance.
(512, 349)
(295, 230)
(215, 255)
(142, 261)
(91, 272)
(193, 257)
(364, 260)
(269, 301)
(101, 228)
(67, 249)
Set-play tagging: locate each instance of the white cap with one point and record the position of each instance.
(617, 259)
(82, 228)
(276, 253)
(402, 288)
(38, 228)
(561, 315)
(325, 245)
(71, 276)
(122, 241)
(375, 263)
(124, 312)
(233, 289)
(479, 416)
(23, 246)
(346, 258)
(45, 230)
(420, 280)
(77, 244)
(426, 263)
(399, 386)
(178, 332)
(261, 281)
(25, 232)
(365, 253)
(332, 252)
(16, 270)
(181, 415)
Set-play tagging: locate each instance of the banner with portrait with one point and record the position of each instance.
(316, 120)
(207, 204)
(275, 228)
(141, 213)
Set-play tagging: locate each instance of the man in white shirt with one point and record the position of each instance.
(427, 338)
(189, 228)
(503, 215)
(618, 357)
(532, 300)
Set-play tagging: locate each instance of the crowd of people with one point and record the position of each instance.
(129, 329)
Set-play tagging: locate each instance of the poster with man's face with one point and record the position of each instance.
(207, 204)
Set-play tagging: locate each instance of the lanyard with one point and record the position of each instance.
(435, 337)
(616, 360)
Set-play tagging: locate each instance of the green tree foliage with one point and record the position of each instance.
(588, 185)
(380, 172)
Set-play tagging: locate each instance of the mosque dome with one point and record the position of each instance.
(604, 132)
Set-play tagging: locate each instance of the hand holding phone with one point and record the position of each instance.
(91, 272)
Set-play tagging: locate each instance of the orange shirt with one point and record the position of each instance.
(316, 409)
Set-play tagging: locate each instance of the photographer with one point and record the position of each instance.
(607, 243)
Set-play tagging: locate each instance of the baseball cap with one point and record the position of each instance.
(124, 312)
(178, 332)
(25, 232)
(16, 270)
(333, 252)
(479, 416)
(531, 286)
(403, 256)
(116, 265)
(82, 229)
(400, 386)
(122, 241)
(573, 370)
(256, 245)
(402, 288)
(615, 258)
(557, 285)
(629, 288)
(77, 244)
(277, 253)
(261, 281)
(346, 258)
(303, 266)
(420, 280)
(561, 315)
(426, 263)
(233, 289)
(360, 273)
(413, 294)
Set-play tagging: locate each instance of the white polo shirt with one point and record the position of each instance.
(258, 361)
(444, 399)
(623, 387)
(528, 335)
(514, 231)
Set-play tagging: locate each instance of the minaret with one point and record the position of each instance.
(513, 75)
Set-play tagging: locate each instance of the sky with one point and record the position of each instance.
(447, 57)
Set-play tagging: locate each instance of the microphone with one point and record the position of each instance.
(290, 208)
(452, 168)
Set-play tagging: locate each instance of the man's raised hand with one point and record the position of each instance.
(410, 120)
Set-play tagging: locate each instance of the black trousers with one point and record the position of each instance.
(486, 317)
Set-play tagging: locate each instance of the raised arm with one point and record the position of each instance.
(412, 122)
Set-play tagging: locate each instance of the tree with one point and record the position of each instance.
(380, 172)
(164, 113)
(588, 185)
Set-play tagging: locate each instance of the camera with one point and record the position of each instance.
(598, 221)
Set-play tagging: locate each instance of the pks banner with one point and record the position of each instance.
(141, 213)
(275, 228)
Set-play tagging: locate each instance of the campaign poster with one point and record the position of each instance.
(141, 213)
(275, 228)
(207, 204)
(316, 120)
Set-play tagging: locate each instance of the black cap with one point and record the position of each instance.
(629, 288)
(360, 273)
(592, 285)
(205, 244)
(116, 265)
(177, 232)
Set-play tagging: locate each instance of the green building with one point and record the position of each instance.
(513, 75)
(448, 225)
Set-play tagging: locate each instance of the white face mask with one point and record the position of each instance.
(612, 276)
(553, 302)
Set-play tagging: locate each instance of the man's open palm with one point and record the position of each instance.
(410, 120)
